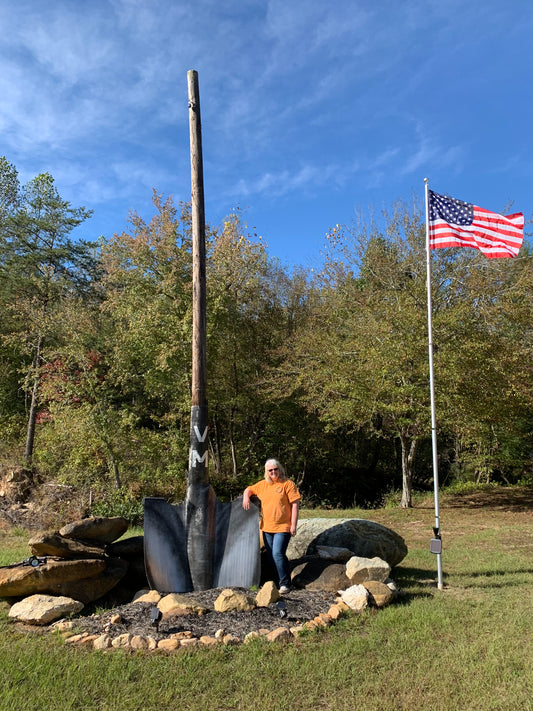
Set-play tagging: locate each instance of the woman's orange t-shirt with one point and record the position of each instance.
(276, 499)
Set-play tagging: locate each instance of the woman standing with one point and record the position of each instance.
(280, 501)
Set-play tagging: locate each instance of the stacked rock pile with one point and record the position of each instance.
(80, 561)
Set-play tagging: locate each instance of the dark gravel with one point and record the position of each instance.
(301, 606)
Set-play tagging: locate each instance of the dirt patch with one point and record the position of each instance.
(300, 606)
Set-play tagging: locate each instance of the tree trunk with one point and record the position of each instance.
(32, 418)
(408, 456)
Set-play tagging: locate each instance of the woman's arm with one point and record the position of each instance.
(246, 498)
(295, 508)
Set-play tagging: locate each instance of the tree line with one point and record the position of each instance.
(326, 370)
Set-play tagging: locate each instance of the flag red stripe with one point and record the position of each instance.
(495, 235)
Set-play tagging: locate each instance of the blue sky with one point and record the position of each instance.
(312, 111)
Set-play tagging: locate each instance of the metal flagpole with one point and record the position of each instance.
(436, 542)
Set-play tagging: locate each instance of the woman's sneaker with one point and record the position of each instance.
(284, 589)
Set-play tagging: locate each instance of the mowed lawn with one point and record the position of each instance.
(469, 646)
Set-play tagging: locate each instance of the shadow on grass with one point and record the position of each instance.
(509, 498)
(411, 580)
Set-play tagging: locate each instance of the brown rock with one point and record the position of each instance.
(209, 641)
(105, 530)
(323, 619)
(229, 600)
(138, 642)
(231, 640)
(102, 642)
(335, 611)
(380, 594)
(267, 594)
(176, 604)
(43, 609)
(281, 634)
(152, 596)
(122, 641)
(168, 645)
(19, 580)
(53, 544)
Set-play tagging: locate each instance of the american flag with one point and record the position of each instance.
(454, 223)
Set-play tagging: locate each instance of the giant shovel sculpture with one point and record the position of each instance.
(201, 543)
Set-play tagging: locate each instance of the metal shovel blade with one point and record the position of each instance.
(201, 543)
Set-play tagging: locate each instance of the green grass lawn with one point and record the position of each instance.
(469, 646)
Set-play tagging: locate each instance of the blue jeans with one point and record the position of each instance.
(276, 548)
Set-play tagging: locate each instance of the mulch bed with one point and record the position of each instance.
(301, 606)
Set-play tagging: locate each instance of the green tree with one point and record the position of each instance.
(40, 266)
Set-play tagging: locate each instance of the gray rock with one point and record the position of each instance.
(335, 555)
(320, 574)
(364, 538)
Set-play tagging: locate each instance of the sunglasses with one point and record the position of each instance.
(271, 471)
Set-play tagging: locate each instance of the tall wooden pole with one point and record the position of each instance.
(200, 500)
(198, 245)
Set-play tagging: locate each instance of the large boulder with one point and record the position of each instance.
(48, 577)
(364, 538)
(105, 530)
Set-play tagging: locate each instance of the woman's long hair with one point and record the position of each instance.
(270, 464)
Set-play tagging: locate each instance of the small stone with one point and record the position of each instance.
(281, 634)
(230, 640)
(190, 642)
(185, 634)
(138, 642)
(102, 642)
(122, 641)
(297, 630)
(115, 619)
(251, 636)
(209, 641)
(335, 612)
(168, 645)
(63, 625)
(152, 596)
(220, 633)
